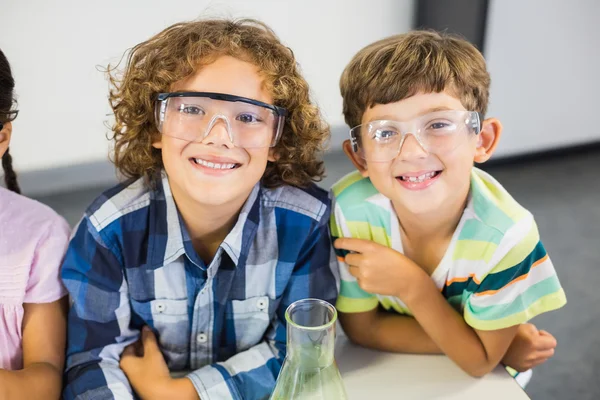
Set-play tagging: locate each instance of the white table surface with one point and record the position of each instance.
(374, 375)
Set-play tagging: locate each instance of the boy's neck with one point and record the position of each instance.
(438, 225)
(209, 225)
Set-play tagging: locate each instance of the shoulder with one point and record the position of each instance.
(493, 206)
(311, 202)
(353, 189)
(496, 231)
(356, 199)
(29, 216)
(117, 203)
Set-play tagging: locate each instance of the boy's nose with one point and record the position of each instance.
(411, 148)
(218, 133)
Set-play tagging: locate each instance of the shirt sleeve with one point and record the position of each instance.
(99, 318)
(251, 374)
(352, 299)
(520, 284)
(44, 284)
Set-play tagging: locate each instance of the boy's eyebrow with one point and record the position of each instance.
(427, 111)
(434, 109)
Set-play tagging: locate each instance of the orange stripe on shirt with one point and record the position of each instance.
(520, 278)
(463, 279)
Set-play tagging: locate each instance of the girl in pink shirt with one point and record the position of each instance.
(33, 239)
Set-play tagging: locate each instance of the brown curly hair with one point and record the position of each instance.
(178, 52)
(400, 66)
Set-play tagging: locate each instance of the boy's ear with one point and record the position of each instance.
(273, 156)
(157, 141)
(358, 162)
(488, 139)
(5, 134)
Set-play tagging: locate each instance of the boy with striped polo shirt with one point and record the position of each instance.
(420, 230)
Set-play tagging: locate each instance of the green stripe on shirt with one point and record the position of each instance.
(521, 303)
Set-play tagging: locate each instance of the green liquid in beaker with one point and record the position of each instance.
(305, 380)
(309, 371)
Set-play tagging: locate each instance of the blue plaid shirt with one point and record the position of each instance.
(131, 263)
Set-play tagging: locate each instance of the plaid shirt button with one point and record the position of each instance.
(201, 338)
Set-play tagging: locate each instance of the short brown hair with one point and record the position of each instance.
(178, 52)
(400, 66)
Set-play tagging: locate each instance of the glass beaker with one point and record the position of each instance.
(309, 371)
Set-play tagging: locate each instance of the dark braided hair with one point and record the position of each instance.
(7, 86)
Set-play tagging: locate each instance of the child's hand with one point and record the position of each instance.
(529, 348)
(379, 269)
(145, 367)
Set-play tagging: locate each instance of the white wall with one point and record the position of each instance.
(55, 46)
(544, 59)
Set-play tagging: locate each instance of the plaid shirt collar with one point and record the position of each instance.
(236, 243)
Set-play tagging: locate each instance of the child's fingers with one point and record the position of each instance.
(541, 359)
(545, 342)
(352, 244)
(127, 357)
(545, 333)
(354, 271)
(353, 259)
(129, 351)
(544, 354)
(537, 362)
(149, 340)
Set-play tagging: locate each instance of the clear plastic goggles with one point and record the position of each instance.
(437, 132)
(190, 116)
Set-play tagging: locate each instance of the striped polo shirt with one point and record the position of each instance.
(495, 272)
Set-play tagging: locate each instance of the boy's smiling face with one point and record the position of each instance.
(418, 181)
(191, 176)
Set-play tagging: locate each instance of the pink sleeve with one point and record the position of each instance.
(44, 284)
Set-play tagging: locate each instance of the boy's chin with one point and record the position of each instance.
(419, 205)
(213, 199)
(421, 208)
(218, 194)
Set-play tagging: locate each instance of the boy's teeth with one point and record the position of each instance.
(419, 178)
(213, 165)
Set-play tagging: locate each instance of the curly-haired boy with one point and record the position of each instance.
(218, 230)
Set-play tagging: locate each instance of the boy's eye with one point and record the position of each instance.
(248, 118)
(191, 109)
(383, 134)
(440, 125)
